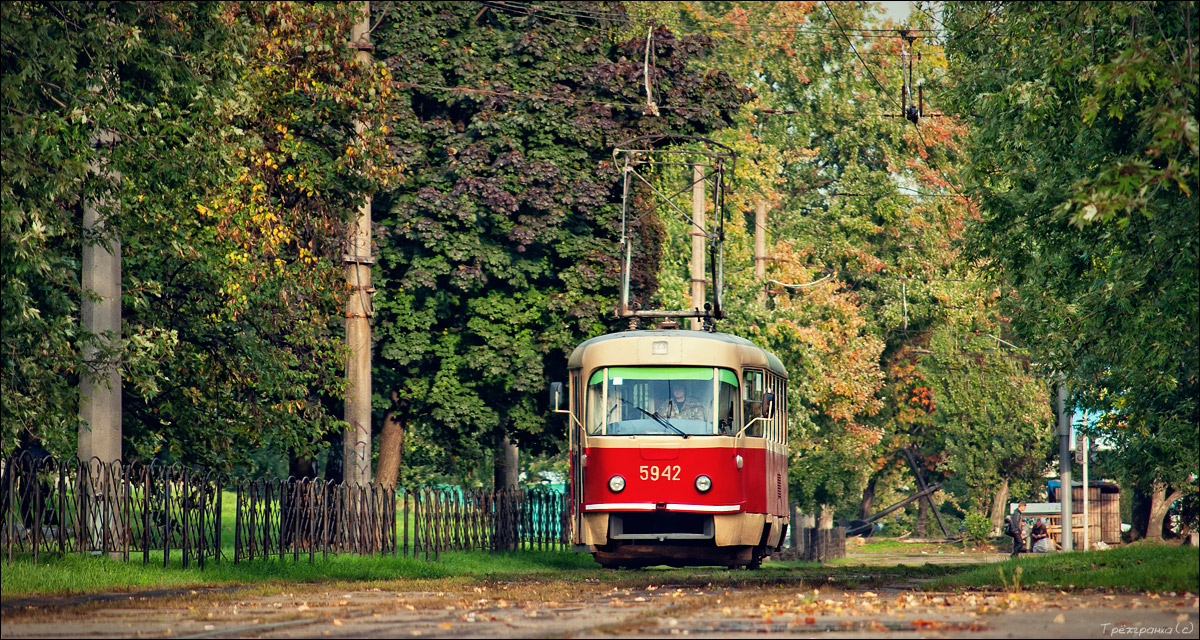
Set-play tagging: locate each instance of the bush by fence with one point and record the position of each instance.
(131, 510)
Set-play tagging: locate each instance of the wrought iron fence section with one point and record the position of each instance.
(76, 506)
(149, 511)
(303, 517)
(454, 519)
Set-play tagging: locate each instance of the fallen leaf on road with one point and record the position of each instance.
(1060, 619)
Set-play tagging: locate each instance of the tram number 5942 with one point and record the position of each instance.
(654, 473)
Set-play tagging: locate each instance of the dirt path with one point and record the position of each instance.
(592, 609)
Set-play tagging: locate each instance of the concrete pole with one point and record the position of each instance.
(1086, 524)
(356, 466)
(1064, 465)
(760, 239)
(699, 235)
(100, 408)
(100, 388)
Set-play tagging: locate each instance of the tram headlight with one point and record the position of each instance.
(616, 484)
(703, 484)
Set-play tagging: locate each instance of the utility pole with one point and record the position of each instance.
(356, 464)
(100, 407)
(760, 239)
(699, 235)
(1064, 465)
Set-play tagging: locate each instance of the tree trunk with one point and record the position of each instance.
(1160, 502)
(391, 450)
(825, 520)
(505, 474)
(301, 468)
(868, 499)
(296, 511)
(333, 464)
(999, 507)
(1140, 513)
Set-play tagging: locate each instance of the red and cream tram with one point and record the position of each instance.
(678, 447)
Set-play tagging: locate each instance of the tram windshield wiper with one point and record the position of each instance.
(657, 418)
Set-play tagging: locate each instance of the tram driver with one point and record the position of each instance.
(680, 405)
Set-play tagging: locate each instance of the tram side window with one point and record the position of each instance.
(595, 404)
(775, 428)
(752, 402)
(727, 396)
(781, 411)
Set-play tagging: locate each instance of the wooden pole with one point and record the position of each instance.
(699, 235)
(760, 239)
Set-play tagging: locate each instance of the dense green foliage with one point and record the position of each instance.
(238, 161)
(72, 72)
(977, 528)
(1084, 158)
(863, 264)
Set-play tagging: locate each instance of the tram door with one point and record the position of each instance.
(575, 446)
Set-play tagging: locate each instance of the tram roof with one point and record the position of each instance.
(772, 361)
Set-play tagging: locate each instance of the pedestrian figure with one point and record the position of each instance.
(1016, 530)
(1041, 538)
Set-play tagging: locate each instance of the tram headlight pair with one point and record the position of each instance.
(616, 484)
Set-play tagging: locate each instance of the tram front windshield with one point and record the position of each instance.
(683, 401)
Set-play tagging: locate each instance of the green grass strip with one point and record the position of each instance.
(1143, 567)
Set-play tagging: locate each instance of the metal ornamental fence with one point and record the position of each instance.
(131, 510)
(77, 506)
(293, 517)
(453, 519)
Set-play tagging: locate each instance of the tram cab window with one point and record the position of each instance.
(626, 401)
(727, 397)
(753, 401)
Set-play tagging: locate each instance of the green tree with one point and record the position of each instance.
(257, 287)
(239, 160)
(1084, 159)
(993, 416)
(869, 266)
(147, 73)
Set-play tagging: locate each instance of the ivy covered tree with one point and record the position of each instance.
(1084, 157)
(498, 251)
